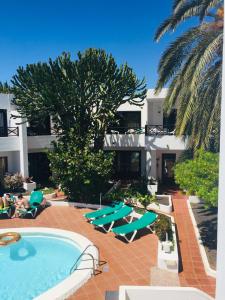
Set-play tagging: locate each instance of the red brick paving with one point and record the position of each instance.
(193, 273)
(129, 264)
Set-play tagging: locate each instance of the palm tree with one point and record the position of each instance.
(192, 65)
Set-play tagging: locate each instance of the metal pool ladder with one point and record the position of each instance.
(95, 271)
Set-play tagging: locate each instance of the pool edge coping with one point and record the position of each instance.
(73, 282)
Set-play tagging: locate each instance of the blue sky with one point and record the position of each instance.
(33, 31)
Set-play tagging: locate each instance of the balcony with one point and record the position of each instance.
(9, 139)
(9, 131)
(125, 137)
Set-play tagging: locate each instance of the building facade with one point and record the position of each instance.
(143, 140)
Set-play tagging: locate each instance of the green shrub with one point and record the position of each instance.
(163, 227)
(13, 183)
(145, 200)
(82, 173)
(199, 176)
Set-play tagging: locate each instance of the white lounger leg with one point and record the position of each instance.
(111, 226)
(107, 230)
(132, 237)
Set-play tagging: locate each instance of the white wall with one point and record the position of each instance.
(40, 142)
(167, 142)
(116, 141)
(13, 158)
(161, 293)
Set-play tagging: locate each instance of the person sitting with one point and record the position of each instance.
(21, 204)
(8, 199)
(3, 202)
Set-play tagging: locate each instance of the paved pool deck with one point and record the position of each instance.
(127, 264)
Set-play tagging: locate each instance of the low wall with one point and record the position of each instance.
(161, 293)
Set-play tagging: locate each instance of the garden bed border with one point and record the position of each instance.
(209, 271)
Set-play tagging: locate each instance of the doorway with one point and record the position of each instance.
(128, 164)
(39, 167)
(168, 163)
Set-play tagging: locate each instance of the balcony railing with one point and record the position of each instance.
(126, 130)
(148, 130)
(159, 130)
(9, 131)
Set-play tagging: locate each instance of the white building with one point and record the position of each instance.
(143, 139)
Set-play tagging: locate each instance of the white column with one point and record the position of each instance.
(151, 164)
(23, 149)
(220, 276)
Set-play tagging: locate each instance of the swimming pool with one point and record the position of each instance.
(39, 265)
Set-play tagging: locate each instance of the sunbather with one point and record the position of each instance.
(3, 202)
(21, 203)
(7, 198)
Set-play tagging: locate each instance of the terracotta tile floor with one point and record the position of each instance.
(129, 264)
(192, 272)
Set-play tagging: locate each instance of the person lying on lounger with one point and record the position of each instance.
(21, 203)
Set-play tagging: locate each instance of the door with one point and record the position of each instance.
(39, 167)
(3, 122)
(168, 163)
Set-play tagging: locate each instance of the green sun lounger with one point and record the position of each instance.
(122, 213)
(103, 212)
(35, 201)
(6, 210)
(146, 221)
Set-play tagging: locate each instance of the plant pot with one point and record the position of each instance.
(194, 199)
(29, 186)
(167, 246)
(152, 188)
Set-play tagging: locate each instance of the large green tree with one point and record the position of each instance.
(82, 97)
(192, 65)
(83, 94)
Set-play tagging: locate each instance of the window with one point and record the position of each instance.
(43, 128)
(3, 122)
(126, 120)
(169, 121)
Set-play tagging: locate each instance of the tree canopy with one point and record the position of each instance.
(192, 65)
(199, 176)
(83, 94)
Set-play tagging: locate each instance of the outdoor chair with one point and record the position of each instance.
(122, 213)
(6, 210)
(35, 202)
(103, 212)
(146, 221)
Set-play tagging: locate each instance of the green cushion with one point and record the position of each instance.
(123, 212)
(36, 197)
(147, 219)
(104, 211)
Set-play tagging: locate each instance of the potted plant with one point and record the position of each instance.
(145, 200)
(28, 184)
(164, 232)
(152, 186)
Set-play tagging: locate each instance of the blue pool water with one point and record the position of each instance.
(33, 265)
